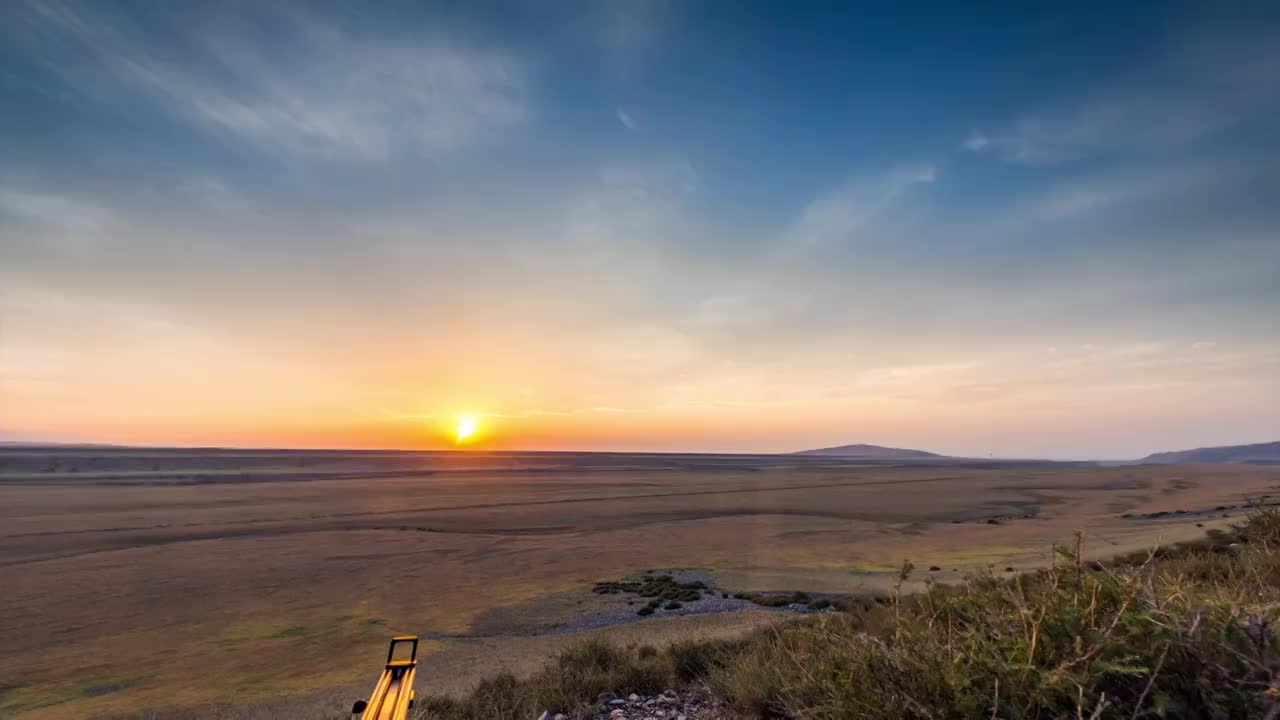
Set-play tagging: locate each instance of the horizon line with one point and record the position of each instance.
(89, 445)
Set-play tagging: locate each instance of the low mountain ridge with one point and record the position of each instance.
(1258, 453)
(872, 452)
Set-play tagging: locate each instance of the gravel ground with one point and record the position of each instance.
(709, 604)
(670, 705)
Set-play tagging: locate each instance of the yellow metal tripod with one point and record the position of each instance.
(393, 695)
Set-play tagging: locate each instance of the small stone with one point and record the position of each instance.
(605, 697)
(617, 702)
(633, 697)
(617, 713)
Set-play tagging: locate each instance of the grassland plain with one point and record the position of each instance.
(1188, 630)
(191, 583)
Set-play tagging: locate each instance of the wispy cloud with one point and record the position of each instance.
(1114, 122)
(1090, 194)
(632, 212)
(394, 415)
(53, 211)
(977, 142)
(629, 32)
(625, 118)
(1202, 86)
(842, 214)
(332, 94)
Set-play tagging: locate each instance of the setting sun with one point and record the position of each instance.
(465, 429)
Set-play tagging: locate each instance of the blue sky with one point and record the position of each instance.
(980, 230)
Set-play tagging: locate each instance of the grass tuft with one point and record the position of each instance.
(580, 674)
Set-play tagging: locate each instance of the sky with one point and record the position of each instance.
(1015, 230)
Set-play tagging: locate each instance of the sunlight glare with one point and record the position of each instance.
(465, 428)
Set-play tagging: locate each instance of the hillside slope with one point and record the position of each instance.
(1260, 453)
(871, 452)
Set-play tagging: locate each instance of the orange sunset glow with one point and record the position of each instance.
(350, 249)
(209, 387)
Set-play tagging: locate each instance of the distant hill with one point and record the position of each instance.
(1261, 454)
(872, 452)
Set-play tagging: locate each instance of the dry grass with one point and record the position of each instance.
(583, 671)
(1188, 631)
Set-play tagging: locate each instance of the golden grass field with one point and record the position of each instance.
(236, 584)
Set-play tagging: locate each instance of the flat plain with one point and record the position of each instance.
(187, 583)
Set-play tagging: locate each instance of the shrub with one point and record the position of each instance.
(691, 660)
(1189, 632)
